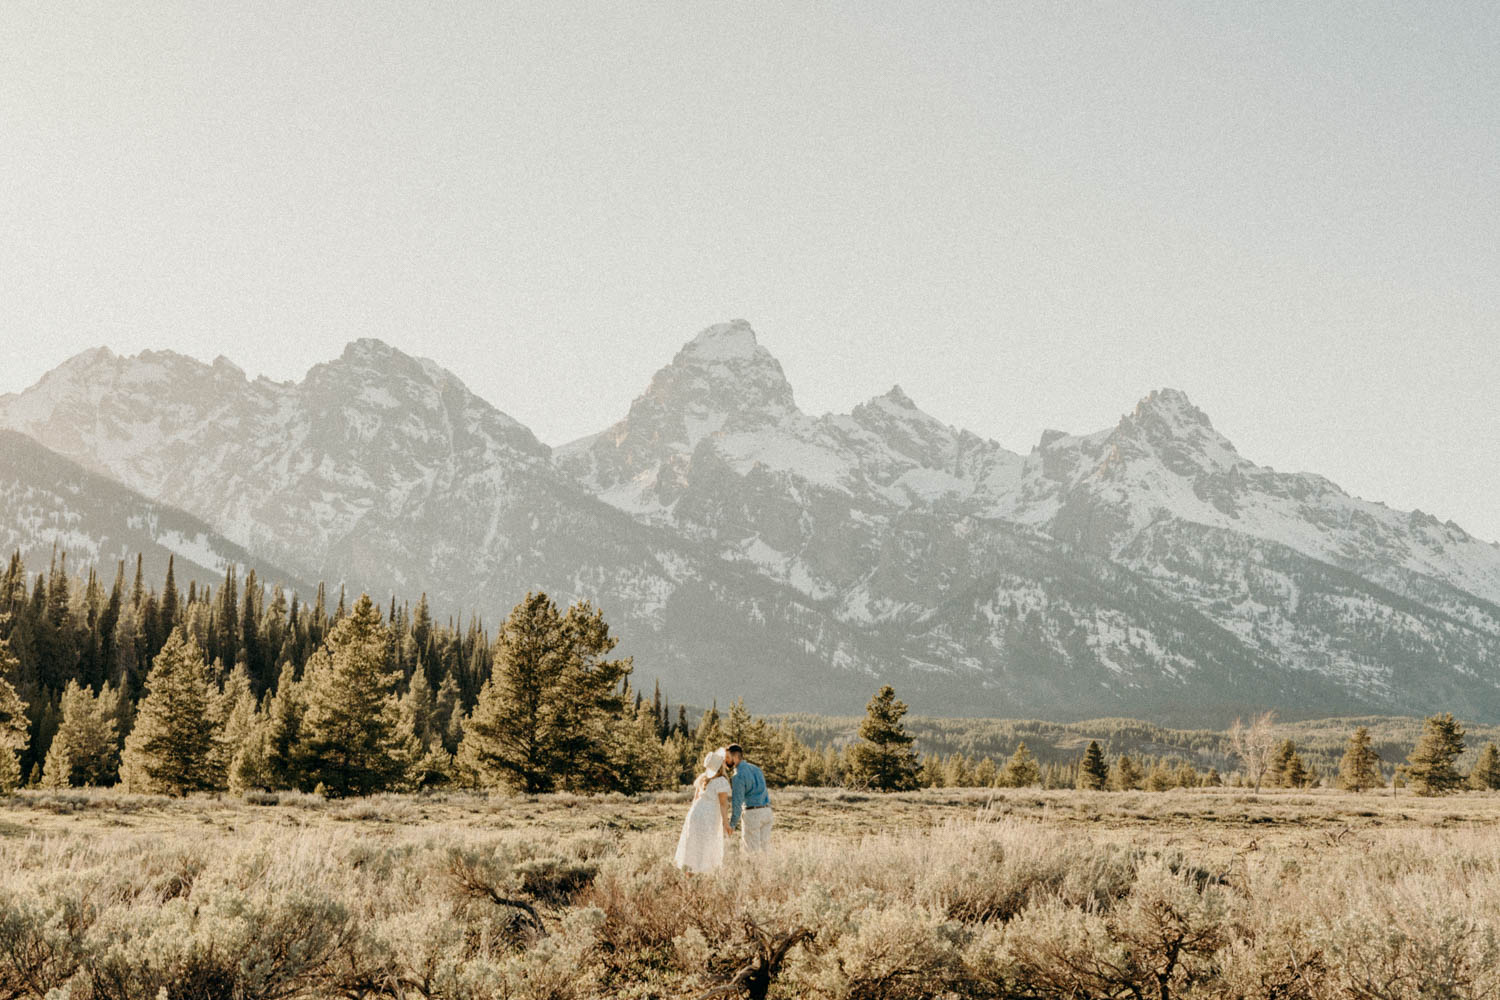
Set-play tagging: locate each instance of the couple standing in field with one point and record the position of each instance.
(729, 795)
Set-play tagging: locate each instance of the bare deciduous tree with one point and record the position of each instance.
(1254, 744)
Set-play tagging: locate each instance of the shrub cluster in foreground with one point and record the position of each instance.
(988, 907)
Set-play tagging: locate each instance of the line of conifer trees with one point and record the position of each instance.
(244, 687)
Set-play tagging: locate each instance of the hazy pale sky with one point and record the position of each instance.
(1029, 215)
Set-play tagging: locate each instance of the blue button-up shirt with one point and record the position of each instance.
(749, 791)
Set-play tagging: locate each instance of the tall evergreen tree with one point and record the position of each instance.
(1281, 763)
(1093, 772)
(14, 724)
(351, 735)
(710, 729)
(1126, 775)
(1359, 770)
(448, 710)
(544, 717)
(884, 758)
(592, 713)
(166, 614)
(419, 710)
(283, 764)
(1021, 771)
(85, 749)
(1486, 773)
(171, 747)
(756, 738)
(109, 620)
(986, 774)
(1430, 765)
(236, 719)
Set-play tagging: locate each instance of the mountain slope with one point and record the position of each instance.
(742, 546)
(51, 503)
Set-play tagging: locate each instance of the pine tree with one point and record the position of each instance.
(249, 768)
(544, 718)
(1281, 762)
(171, 747)
(447, 712)
(1160, 778)
(84, 750)
(1126, 775)
(957, 772)
(1297, 774)
(507, 735)
(1430, 765)
(884, 758)
(591, 714)
(755, 738)
(1021, 771)
(1486, 773)
(1093, 773)
(931, 773)
(10, 771)
(237, 722)
(14, 725)
(351, 735)
(281, 742)
(709, 732)
(168, 610)
(418, 709)
(1359, 770)
(986, 774)
(641, 763)
(680, 755)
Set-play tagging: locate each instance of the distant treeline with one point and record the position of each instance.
(242, 687)
(1321, 743)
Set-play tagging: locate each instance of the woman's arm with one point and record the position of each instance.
(724, 813)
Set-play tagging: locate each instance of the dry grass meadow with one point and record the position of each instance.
(940, 893)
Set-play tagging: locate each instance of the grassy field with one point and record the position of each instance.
(941, 893)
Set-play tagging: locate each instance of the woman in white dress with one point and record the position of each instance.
(701, 847)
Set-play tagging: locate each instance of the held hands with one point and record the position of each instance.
(728, 830)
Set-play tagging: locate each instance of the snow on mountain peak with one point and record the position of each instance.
(365, 350)
(1168, 425)
(896, 397)
(1172, 405)
(722, 342)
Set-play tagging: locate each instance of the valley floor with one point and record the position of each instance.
(939, 893)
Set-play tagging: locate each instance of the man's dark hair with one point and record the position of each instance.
(734, 748)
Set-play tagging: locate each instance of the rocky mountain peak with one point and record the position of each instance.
(730, 341)
(898, 398)
(365, 349)
(722, 376)
(226, 367)
(1167, 427)
(1170, 406)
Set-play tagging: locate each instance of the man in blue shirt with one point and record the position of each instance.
(749, 802)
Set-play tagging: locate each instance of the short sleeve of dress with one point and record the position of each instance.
(719, 786)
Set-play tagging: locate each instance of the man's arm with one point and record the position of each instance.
(736, 801)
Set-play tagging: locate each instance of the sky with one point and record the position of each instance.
(1026, 214)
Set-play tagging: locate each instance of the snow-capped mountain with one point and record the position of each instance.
(53, 506)
(743, 546)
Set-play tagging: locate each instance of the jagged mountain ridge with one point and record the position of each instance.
(744, 546)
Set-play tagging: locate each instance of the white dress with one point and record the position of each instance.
(701, 846)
